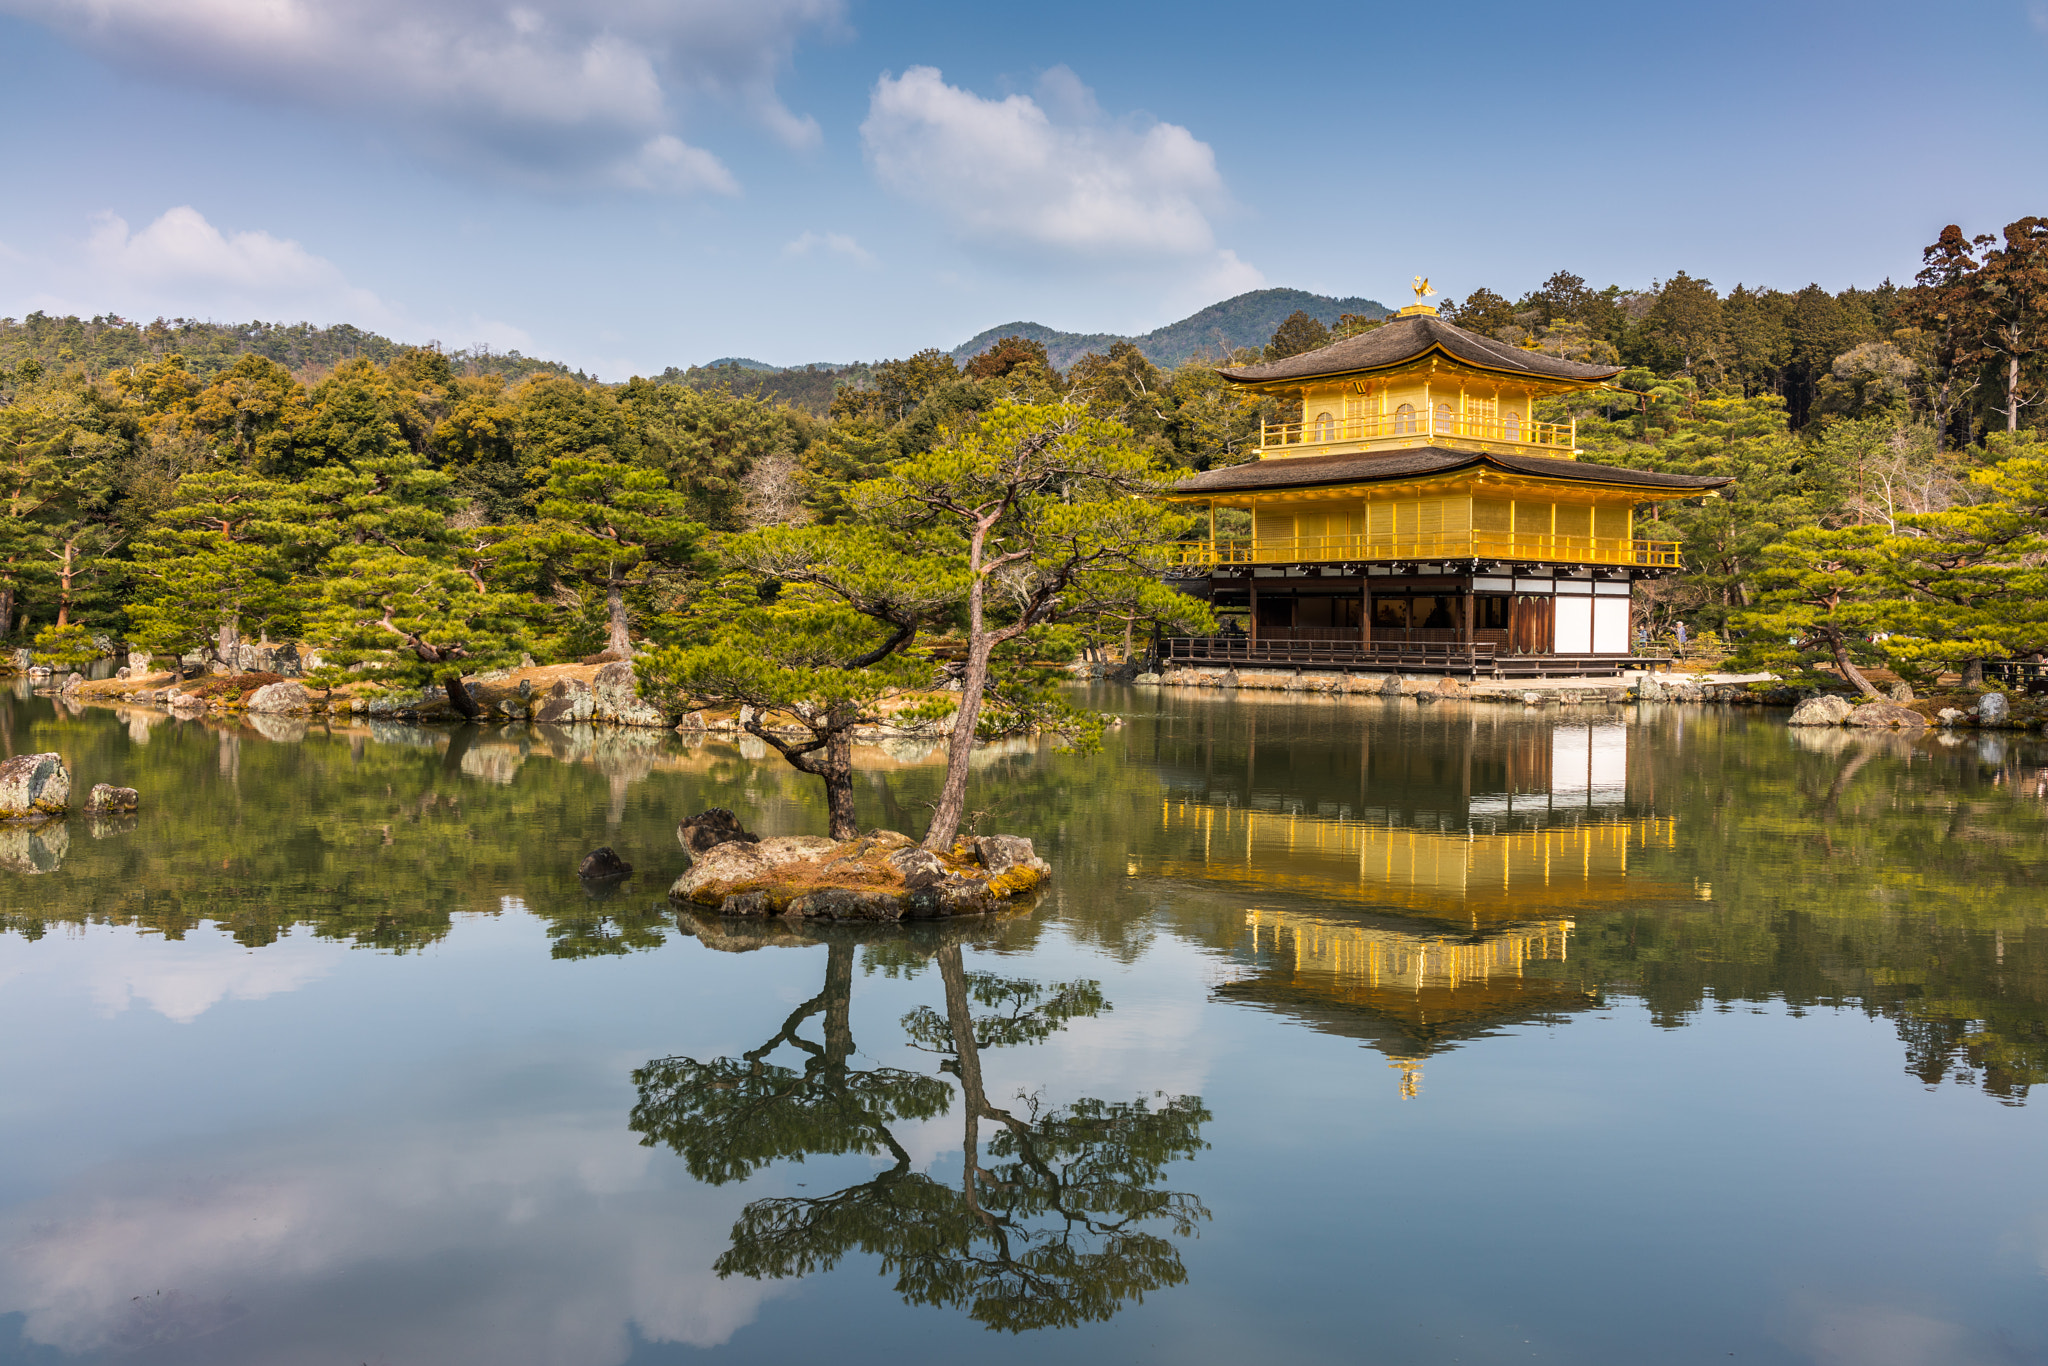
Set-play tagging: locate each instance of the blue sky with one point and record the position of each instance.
(630, 184)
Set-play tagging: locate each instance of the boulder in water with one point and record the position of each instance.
(33, 786)
(279, 699)
(107, 800)
(1825, 710)
(1993, 709)
(603, 865)
(709, 829)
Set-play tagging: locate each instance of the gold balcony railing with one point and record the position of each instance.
(1290, 438)
(1528, 546)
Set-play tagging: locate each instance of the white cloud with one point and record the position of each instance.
(547, 1237)
(830, 244)
(668, 163)
(1838, 1334)
(181, 264)
(552, 92)
(183, 979)
(1050, 172)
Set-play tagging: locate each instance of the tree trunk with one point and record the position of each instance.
(227, 641)
(6, 612)
(620, 639)
(832, 765)
(1850, 671)
(960, 745)
(2012, 392)
(837, 773)
(838, 1007)
(459, 698)
(64, 585)
(967, 1058)
(1973, 673)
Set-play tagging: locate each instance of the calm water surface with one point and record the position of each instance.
(1348, 1032)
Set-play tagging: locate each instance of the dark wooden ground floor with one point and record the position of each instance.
(1485, 618)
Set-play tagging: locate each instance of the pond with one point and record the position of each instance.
(1347, 1031)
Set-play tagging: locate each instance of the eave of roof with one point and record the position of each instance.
(1315, 471)
(1406, 340)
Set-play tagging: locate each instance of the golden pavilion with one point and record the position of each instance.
(1420, 517)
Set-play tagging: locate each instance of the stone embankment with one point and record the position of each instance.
(881, 876)
(1899, 710)
(1428, 688)
(551, 694)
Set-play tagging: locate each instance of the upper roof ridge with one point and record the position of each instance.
(1409, 338)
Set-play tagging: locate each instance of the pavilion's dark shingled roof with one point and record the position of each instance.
(1406, 338)
(1310, 470)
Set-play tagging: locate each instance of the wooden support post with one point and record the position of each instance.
(1252, 590)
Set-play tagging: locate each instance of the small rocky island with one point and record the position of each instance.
(880, 876)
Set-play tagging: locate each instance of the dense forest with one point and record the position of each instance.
(179, 484)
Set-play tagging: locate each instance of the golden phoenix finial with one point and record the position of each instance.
(1422, 289)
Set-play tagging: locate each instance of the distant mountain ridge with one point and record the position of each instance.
(1219, 329)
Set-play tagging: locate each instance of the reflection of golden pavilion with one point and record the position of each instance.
(1470, 875)
(1408, 992)
(1440, 928)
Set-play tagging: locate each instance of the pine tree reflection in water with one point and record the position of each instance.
(1058, 1219)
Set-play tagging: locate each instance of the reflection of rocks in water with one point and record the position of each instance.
(612, 748)
(140, 723)
(493, 763)
(105, 827)
(405, 733)
(598, 890)
(230, 754)
(900, 941)
(283, 730)
(907, 751)
(1848, 744)
(34, 848)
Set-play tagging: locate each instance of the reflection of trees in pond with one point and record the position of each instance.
(1054, 1221)
(375, 835)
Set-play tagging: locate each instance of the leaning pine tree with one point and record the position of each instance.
(1823, 593)
(1044, 516)
(829, 655)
